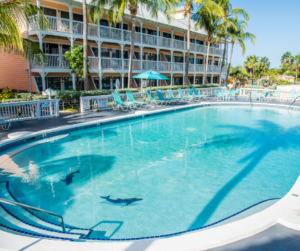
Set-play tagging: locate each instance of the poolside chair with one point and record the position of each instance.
(195, 91)
(220, 95)
(5, 122)
(196, 96)
(264, 96)
(171, 94)
(161, 97)
(291, 95)
(254, 95)
(184, 97)
(120, 104)
(276, 95)
(154, 100)
(131, 99)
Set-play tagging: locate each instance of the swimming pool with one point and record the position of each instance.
(190, 169)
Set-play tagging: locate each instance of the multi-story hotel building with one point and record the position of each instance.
(159, 46)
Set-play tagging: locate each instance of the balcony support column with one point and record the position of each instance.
(71, 23)
(122, 33)
(203, 79)
(141, 55)
(172, 43)
(157, 36)
(122, 56)
(73, 81)
(99, 58)
(185, 44)
(100, 80)
(141, 32)
(157, 58)
(171, 60)
(171, 79)
(43, 75)
(122, 74)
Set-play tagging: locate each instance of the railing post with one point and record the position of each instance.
(157, 42)
(38, 109)
(81, 105)
(57, 107)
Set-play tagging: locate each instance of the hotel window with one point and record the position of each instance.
(178, 81)
(191, 80)
(106, 83)
(138, 29)
(68, 85)
(125, 26)
(77, 17)
(179, 37)
(65, 48)
(192, 40)
(64, 14)
(137, 55)
(53, 83)
(178, 59)
(209, 62)
(149, 56)
(216, 62)
(168, 58)
(115, 53)
(215, 80)
(199, 60)
(95, 51)
(49, 12)
(105, 52)
(167, 35)
(39, 83)
(49, 48)
(199, 42)
(192, 60)
(126, 54)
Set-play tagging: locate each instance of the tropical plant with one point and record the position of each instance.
(286, 58)
(67, 97)
(116, 13)
(75, 56)
(210, 6)
(264, 65)
(229, 13)
(238, 35)
(13, 17)
(7, 93)
(251, 64)
(205, 19)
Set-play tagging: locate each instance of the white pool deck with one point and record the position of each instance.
(285, 212)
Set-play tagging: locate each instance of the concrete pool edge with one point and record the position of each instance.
(280, 212)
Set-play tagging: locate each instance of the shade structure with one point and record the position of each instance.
(150, 75)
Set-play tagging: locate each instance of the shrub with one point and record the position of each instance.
(67, 96)
(254, 87)
(7, 93)
(95, 93)
(124, 90)
(182, 87)
(11, 100)
(272, 87)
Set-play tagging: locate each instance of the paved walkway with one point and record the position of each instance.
(77, 118)
(275, 238)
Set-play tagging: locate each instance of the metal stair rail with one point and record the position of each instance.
(293, 102)
(10, 202)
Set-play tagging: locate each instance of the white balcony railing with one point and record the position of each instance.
(165, 42)
(54, 61)
(199, 68)
(177, 44)
(191, 67)
(177, 66)
(136, 64)
(149, 39)
(94, 62)
(165, 66)
(200, 48)
(110, 33)
(111, 64)
(150, 65)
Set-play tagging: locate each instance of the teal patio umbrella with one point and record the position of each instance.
(150, 75)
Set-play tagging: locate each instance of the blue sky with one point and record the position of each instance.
(275, 24)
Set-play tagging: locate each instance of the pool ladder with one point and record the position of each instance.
(10, 202)
(293, 102)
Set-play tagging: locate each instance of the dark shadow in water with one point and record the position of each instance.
(266, 142)
(101, 234)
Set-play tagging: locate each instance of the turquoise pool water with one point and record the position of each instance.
(191, 168)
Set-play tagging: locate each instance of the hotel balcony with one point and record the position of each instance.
(58, 63)
(66, 28)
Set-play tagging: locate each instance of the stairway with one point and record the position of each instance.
(26, 222)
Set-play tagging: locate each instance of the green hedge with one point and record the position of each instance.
(124, 90)
(272, 87)
(95, 93)
(254, 86)
(175, 87)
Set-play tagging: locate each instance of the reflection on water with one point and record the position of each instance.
(191, 168)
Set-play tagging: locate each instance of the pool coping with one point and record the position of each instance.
(280, 212)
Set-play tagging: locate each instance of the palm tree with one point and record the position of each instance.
(251, 64)
(264, 65)
(188, 8)
(205, 19)
(16, 14)
(229, 12)
(116, 13)
(238, 35)
(286, 57)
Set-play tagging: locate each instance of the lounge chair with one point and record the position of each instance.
(5, 122)
(276, 95)
(291, 95)
(171, 94)
(161, 97)
(121, 104)
(195, 92)
(196, 96)
(264, 96)
(220, 95)
(254, 95)
(188, 98)
(131, 99)
(154, 100)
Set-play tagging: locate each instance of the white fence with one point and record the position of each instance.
(87, 103)
(247, 91)
(30, 110)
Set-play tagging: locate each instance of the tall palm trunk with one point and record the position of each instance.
(186, 81)
(251, 70)
(223, 61)
(133, 12)
(206, 62)
(229, 61)
(85, 46)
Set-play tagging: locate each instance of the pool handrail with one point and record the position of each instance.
(10, 202)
